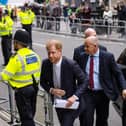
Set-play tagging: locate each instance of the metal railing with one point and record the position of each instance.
(116, 29)
(44, 113)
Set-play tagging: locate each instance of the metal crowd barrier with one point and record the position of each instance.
(76, 27)
(116, 30)
(44, 113)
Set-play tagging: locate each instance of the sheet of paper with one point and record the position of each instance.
(61, 103)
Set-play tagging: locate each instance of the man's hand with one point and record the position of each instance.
(70, 101)
(124, 94)
(58, 92)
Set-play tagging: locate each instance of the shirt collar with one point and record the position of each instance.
(96, 54)
(58, 63)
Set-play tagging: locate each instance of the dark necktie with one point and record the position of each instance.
(91, 79)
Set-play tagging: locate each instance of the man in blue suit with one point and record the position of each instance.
(103, 88)
(58, 77)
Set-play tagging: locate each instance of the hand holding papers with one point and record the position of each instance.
(71, 100)
(61, 103)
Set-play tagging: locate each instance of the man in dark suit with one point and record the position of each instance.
(77, 54)
(122, 60)
(80, 50)
(101, 72)
(58, 77)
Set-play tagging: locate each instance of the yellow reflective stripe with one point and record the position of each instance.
(26, 73)
(1, 77)
(4, 30)
(25, 17)
(22, 62)
(25, 81)
(8, 73)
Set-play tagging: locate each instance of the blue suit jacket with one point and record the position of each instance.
(109, 73)
(70, 72)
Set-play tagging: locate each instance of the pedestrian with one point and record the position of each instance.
(107, 20)
(58, 78)
(101, 69)
(122, 60)
(6, 26)
(78, 51)
(27, 17)
(22, 74)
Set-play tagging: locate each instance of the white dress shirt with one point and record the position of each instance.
(57, 74)
(97, 85)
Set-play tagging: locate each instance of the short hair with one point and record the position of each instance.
(92, 39)
(55, 43)
(89, 32)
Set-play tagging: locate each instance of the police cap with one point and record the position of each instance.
(22, 36)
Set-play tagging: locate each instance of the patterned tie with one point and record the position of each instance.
(91, 79)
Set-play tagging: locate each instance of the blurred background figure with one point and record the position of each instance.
(107, 16)
(44, 14)
(121, 14)
(72, 17)
(84, 14)
(14, 13)
(57, 11)
(27, 17)
(6, 26)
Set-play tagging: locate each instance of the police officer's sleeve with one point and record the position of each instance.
(10, 69)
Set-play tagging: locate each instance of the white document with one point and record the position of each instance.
(61, 103)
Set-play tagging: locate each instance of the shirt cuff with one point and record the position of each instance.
(50, 91)
(75, 97)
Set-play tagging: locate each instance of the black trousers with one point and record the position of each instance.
(67, 116)
(26, 104)
(95, 101)
(124, 114)
(28, 28)
(6, 44)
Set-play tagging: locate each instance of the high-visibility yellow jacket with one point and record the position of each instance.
(26, 17)
(21, 67)
(6, 25)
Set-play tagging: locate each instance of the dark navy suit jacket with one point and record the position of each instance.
(70, 72)
(109, 73)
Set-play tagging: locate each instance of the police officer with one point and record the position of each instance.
(6, 25)
(22, 73)
(27, 17)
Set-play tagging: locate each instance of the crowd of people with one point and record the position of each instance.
(92, 78)
(52, 12)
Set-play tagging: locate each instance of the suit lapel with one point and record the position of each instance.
(50, 68)
(84, 61)
(101, 62)
(62, 72)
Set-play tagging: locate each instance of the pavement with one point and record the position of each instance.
(3, 123)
